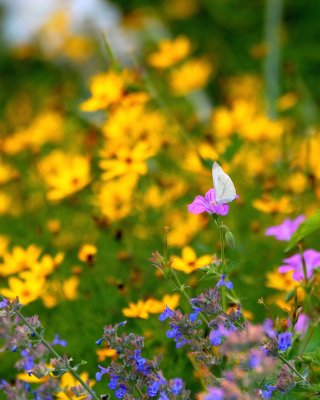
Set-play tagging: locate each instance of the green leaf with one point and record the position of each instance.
(312, 357)
(305, 229)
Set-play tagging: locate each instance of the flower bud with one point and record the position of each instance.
(230, 240)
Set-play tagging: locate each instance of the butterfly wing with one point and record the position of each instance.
(224, 188)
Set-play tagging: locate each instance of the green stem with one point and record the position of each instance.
(291, 367)
(52, 351)
(182, 290)
(223, 264)
(272, 60)
(304, 266)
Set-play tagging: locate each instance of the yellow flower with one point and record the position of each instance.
(27, 290)
(45, 127)
(7, 173)
(4, 242)
(5, 203)
(67, 381)
(142, 309)
(70, 287)
(106, 89)
(183, 227)
(105, 353)
(87, 252)
(288, 100)
(19, 259)
(270, 206)
(189, 261)
(127, 161)
(137, 310)
(297, 183)
(170, 52)
(114, 198)
(24, 376)
(64, 174)
(191, 76)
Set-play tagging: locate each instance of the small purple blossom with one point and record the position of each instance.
(58, 341)
(268, 328)
(214, 394)
(177, 386)
(285, 230)
(194, 315)
(208, 204)
(154, 388)
(215, 337)
(121, 391)
(267, 392)
(302, 324)
(167, 313)
(284, 341)
(295, 263)
(113, 382)
(222, 282)
(102, 372)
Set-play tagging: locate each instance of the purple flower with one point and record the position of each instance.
(214, 394)
(163, 396)
(267, 392)
(194, 315)
(121, 391)
(153, 389)
(284, 341)
(268, 328)
(208, 204)
(302, 324)
(59, 341)
(167, 313)
(215, 337)
(113, 381)
(102, 371)
(222, 282)
(177, 386)
(295, 263)
(285, 230)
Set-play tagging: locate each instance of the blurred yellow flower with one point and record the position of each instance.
(27, 290)
(106, 352)
(269, 205)
(106, 89)
(297, 183)
(142, 309)
(70, 287)
(64, 174)
(127, 161)
(67, 381)
(7, 173)
(87, 252)
(4, 243)
(190, 76)
(288, 100)
(183, 227)
(5, 203)
(189, 261)
(19, 259)
(170, 52)
(114, 198)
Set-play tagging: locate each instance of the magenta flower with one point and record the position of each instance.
(302, 324)
(294, 263)
(208, 204)
(285, 230)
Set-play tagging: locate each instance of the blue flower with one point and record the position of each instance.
(99, 374)
(121, 391)
(267, 392)
(215, 337)
(167, 313)
(173, 333)
(99, 341)
(153, 389)
(284, 341)
(222, 282)
(193, 316)
(113, 382)
(163, 396)
(59, 341)
(177, 386)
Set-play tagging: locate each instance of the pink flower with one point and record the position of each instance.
(285, 230)
(302, 324)
(294, 263)
(208, 204)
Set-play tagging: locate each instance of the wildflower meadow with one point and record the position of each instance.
(159, 200)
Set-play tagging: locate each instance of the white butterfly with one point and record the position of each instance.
(224, 188)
